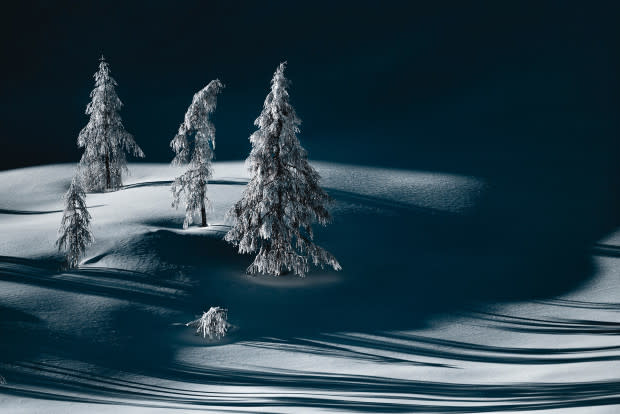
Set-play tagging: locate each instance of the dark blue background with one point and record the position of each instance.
(523, 94)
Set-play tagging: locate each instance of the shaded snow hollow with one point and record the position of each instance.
(426, 316)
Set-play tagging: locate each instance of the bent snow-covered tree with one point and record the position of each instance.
(213, 323)
(104, 138)
(194, 145)
(74, 232)
(283, 197)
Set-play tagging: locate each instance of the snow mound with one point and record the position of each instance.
(426, 315)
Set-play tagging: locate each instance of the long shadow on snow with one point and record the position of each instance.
(31, 212)
(169, 182)
(608, 250)
(401, 268)
(409, 349)
(130, 337)
(555, 326)
(107, 282)
(390, 395)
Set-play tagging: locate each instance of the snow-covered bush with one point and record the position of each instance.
(213, 323)
(74, 232)
(283, 197)
(104, 138)
(194, 145)
(2, 380)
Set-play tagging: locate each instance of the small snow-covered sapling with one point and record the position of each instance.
(74, 234)
(212, 323)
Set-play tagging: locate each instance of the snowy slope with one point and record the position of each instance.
(413, 323)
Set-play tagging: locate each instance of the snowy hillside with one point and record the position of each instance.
(428, 314)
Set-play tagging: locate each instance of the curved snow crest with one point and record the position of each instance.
(22, 188)
(439, 191)
(144, 203)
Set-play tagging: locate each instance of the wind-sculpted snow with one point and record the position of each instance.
(429, 314)
(436, 191)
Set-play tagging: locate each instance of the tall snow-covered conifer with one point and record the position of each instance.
(194, 145)
(74, 232)
(104, 138)
(283, 197)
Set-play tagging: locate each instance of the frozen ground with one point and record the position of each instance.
(430, 313)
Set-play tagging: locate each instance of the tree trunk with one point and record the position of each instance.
(107, 172)
(75, 259)
(203, 213)
(203, 210)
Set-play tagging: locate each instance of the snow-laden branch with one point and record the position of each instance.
(212, 323)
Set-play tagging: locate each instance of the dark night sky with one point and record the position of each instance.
(527, 89)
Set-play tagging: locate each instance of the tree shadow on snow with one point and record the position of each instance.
(406, 264)
(78, 385)
(402, 266)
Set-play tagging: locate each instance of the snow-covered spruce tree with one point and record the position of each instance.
(104, 138)
(74, 232)
(194, 145)
(283, 197)
(212, 323)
